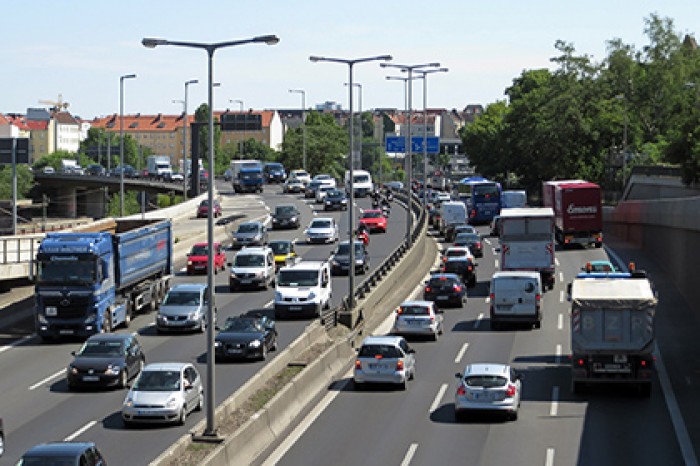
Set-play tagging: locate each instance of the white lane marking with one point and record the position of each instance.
(671, 403)
(438, 398)
(478, 320)
(269, 303)
(549, 457)
(461, 352)
(14, 343)
(496, 263)
(555, 401)
(557, 354)
(556, 261)
(409, 454)
(560, 322)
(487, 241)
(79, 431)
(561, 296)
(47, 379)
(561, 277)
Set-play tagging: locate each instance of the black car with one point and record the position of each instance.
(340, 260)
(310, 191)
(445, 288)
(335, 200)
(248, 336)
(434, 217)
(286, 216)
(95, 170)
(106, 359)
(64, 453)
(465, 267)
(471, 241)
(129, 171)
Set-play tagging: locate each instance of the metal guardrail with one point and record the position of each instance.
(19, 249)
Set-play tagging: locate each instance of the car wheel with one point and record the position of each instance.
(182, 416)
(263, 353)
(273, 347)
(106, 326)
(123, 378)
(513, 416)
(459, 416)
(403, 385)
(358, 386)
(200, 402)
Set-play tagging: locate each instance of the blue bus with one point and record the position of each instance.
(482, 198)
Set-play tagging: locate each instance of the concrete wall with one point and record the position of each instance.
(666, 229)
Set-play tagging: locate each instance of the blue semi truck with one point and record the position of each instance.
(91, 282)
(247, 176)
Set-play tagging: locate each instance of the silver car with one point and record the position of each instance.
(384, 359)
(164, 393)
(249, 234)
(490, 387)
(418, 318)
(322, 230)
(184, 308)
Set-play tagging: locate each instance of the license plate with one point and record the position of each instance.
(443, 298)
(235, 351)
(66, 331)
(620, 358)
(415, 322)
(91, 378)
(613, 366)
(246, 282)
(143, 412)
(295, 308)
(375, 366)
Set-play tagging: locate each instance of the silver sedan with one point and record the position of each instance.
(488, 387)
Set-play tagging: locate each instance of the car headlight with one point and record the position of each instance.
(193, 315)
(73, 370)
(172, 402)
(189, 262)
(113, 369)
(42, 319)
(335, 262)
(328, 202)
(293, 219)
(91, 318)
(217, 344)
(254, 344)
(278, 296)
(128, 402)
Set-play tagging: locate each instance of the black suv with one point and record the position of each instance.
(286, 216)
(335, 200)
(465, 267)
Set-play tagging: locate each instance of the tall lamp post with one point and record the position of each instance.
(359, 111)
(409, 163)
(303, 122)
(210, 430)
(423, 74)
(184, 139)
(241, 146)
(351, 201)
(121, 140)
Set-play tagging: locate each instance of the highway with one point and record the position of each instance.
(610, 426)
(36, 405)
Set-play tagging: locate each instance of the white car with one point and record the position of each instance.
(303, 287)
(301, 175)
(418, 318)
(456, 251)
(322, 230)
(252, 268)
(488, 387)
(322, 191)
(384, 359)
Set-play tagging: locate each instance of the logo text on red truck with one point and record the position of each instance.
(573, 209)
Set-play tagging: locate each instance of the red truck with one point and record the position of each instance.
(578, 216)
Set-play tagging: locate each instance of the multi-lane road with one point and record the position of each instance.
(37, 406)
(417, 427)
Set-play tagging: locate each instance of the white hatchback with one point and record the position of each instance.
(488, 387)
(418, 318)
(384, 359)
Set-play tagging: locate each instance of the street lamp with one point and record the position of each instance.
(121, 140)
(424, 75)
(184, 139)
(241, 146)
(409, 164)
(351, 201)
(210, 49)
(359, 86)
(303, 122)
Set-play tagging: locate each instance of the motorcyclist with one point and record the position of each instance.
(362, 233)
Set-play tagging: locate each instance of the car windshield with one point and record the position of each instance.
(199, 250)
(240, 325)
(414, 311)
(344, 249)
(320, 224)
(297, 278)
(280, 247)
(248, 228)
(204, 203)
(371, 215)
(485, 381)
(249, 260)
(182, 298)
(455, 253)
(379, 351)
(101, 349)
(158, 381)
(285, 210)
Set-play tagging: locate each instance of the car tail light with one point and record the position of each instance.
(399, 311)
(580, 362)
(444, 258)
(457, 288)
(358, 364)
(461, 391)
(478, 244)
(537, 298)
(427, 289)
(472, 214)
(399, 365)
(491, 296)
(469, 268)
(510, 391)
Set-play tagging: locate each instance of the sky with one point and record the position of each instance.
(79, 49)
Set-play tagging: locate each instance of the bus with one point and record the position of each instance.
(482, 198)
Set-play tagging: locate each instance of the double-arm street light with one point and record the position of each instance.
(423, 74)
(121, 140)
(409, 168)
(303, 122)
(210, 430)
(350, 188)
(359, 111)
(241, 146)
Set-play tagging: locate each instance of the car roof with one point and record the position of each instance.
(421, 303)
(458, 248)
(392, 340)
(305, 265)
(58, 448)
(486, 368)
(166, 366)
(189, 287)
(111, 336)
(516, 273)
(372, 210)
(253, 250)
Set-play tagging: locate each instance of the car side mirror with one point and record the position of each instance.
(72, 353)
(230, 264)
(568, 292)
(411, 351)
(458, 375)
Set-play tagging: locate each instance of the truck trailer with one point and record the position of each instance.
(578, 211)
(91, 282)
(612, 329)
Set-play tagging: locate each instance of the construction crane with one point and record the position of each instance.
(56, 106)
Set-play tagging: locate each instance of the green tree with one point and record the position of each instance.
(25, 181)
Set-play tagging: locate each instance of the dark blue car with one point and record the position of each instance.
(63, 453)
(445, 289)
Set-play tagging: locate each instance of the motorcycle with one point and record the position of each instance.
(375, 203)
(363, 236)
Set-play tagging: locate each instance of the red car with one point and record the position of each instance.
(203, 209)
(198, 258)
(374, 220)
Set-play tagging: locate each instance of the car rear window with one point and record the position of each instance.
(485, 381)
(516, 284)
(442, 281)
(385, 351)
(415, 310)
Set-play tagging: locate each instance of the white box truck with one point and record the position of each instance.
(527, 241)
(158, 167)
(452, 214)
(612, 329)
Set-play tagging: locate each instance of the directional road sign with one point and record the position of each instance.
(397, 144)
(21, 150)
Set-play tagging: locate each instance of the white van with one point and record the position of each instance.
(452, 213)
(303, 288)
(361, 182)
(515, 298)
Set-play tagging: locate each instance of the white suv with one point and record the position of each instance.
(252, 267)
(303, 288)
